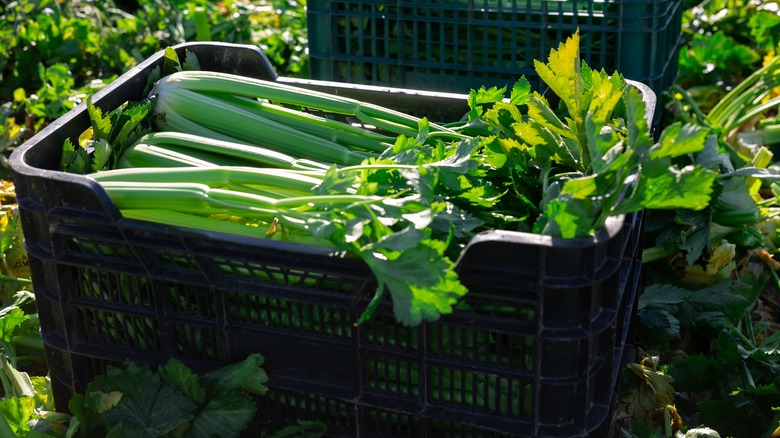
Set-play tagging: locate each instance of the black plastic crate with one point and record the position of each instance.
(536, 349)
(456, 45)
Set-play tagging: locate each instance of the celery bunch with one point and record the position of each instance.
(264, 159)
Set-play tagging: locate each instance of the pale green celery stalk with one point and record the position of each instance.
(188, 198)
(186, 204)
(176, 123)
(21, 282)
(329, 201)
(323, 127)
(299, 183)
(269, 192)
(22, 386)
(766, 135)
(290, 95)
(248, 126)
(257, 88)
(233, 153)
(146, 155)
(390, 126)
(259, 230)
(401, 123)
(771, 134)
(657, 253)
(30, 341)
(196, 198)
(737, 106)
(173, 121)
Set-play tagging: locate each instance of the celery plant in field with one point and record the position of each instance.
(740, 151)
(26, 390)
(723, 42)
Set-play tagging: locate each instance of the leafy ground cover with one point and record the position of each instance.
(53, 54)
(707, 320)
(707, 342)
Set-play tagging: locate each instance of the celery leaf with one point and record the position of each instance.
(170, 62)
(101, 125)
(10, 323)
(487, 95)
(521, 92)
(190, 61)
(17, 413)
(503, 115)
(177, 375)
(562, 73)
(421, 280)
(569, 217)
(689, 187)
(481, 97)
(735, 195)
(127, 120)
(79, 161)
(101, 154)
(678, 139)
(225, 415)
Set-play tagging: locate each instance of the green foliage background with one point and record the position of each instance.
(54, 53)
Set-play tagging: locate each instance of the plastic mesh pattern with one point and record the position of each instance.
(456, 45)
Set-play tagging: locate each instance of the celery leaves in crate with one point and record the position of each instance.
(592, 152)
(397, 237)
(100, 146)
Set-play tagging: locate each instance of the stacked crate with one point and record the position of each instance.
(457, 45)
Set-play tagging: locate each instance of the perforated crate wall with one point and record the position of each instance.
(456, 45)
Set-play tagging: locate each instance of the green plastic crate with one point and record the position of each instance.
(457, 45)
